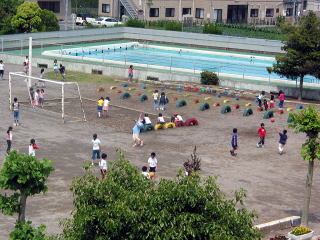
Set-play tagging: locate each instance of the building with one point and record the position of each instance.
(230, 11)
(56, 6)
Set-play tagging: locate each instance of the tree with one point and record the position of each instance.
(8, 9)
(308, 122)
(49, 21)
(25, 231)
(193, 163)
(26, 176)
(28, 18)
(302, 49)
(125, 205)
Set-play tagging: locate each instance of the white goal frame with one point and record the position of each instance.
(62, 84)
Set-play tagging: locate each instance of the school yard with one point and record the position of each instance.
(274, 183)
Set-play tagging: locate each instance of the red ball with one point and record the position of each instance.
(272, 120)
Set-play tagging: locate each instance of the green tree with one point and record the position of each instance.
(302, 49)
(49, 21)
(25, 231)
(125, 205)
(8, 9)
(26, 176)
(308, 121)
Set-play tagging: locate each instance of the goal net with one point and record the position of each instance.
(61, 99)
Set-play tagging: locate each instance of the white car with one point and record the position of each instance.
(83, 19)
(107, 21)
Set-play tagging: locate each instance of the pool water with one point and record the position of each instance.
(246, 65)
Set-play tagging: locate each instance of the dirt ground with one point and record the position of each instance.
(274, 183)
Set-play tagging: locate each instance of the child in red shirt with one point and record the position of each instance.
(262, 134)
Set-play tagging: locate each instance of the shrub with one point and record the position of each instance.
(300, 231)
(279, 237)
(135, 23)
(209, 78)
(24, 230)
(212, 28)
(49, 21)
(173, 26)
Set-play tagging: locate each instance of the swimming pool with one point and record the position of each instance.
(176, 59)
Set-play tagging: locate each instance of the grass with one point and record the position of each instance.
(81, 77)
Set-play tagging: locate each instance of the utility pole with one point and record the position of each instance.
(66, 15)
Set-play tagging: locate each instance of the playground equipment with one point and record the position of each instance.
(113, 87)
(289, 120)
(216, 104)
(248, 104)
(143, 87)
(236, 106)
(195, 101)
(272, 120)
(280, 111)
(158, 126)
(226, 101)
(204, 106)
(118, 91)
(225, 109)
(124, 85)
(268, 115)
(247, 112)
(299, 107)
(125, 95)
(147, 128)
(181, 103)
(143, 98)
(169, 125)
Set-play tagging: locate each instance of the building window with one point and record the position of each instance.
(51, 6)
(105, 8)
(254, 12)
(199, 13)
(289, 12)
(186, 11)
(154, 12)
(269, 12)
(217, 15)
(305, 4)
(169, 12)
(277, 10)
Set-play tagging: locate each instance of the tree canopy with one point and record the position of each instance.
(125, 205)
(8, 9)
(302, 49)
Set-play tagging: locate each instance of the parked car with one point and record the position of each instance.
(84, 18)
(107, 21)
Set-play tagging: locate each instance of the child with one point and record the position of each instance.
(55, 67)
(282, 141)
(271, 101)
(161, 119)
(145, 173)
(25, 68)
(15, 109)
(105, 108)
(41, 98)
(9, 139)
(162, 101)
(260, 99)
(281, 99)
(178, 118)
(103, 165)
(262, 134)
(234, 142)
(62, 70)
(152, 164)
(155, 96)
(265, 104)
(130, 73)
(42, 77)
(136, 132)
(32, 148)
(36, 98)
(31, 94)
(95, 148)
(147, 120)
(100, 106)
(1, 69)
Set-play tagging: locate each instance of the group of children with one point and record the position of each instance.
(37, 97)
(262, 135)
(159, 101)
(263, 101)
(103, 107)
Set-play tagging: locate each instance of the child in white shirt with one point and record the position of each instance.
(161, 119)
(32, 148)
(105, 107)
(103, 165)
(145, 173)
(152, 164)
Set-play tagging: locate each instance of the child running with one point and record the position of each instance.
(32, 148)
(15, 110)
(9, 139)
(152, 164)
(103, 165)
(145, 173)
(262, 135)
(234, 142)
(41, 98)
(105, 108)
(100, 107)
(282, 140)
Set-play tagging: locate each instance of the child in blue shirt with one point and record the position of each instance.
(234, 142)
(136, 132)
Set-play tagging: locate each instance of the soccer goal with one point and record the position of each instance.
(60, 98)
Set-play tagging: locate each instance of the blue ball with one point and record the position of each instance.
(143, 87)
(299, 107)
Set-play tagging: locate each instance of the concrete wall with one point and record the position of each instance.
(186, 38)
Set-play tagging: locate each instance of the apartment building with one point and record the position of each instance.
(59, 7)
(230, 11)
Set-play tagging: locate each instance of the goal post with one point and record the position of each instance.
(55, 86)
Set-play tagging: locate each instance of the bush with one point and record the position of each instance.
(49, 21)
(209, 78)
(24, 230)
(300, 231)
(211, 28)
(135, 23)
(173, 26)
